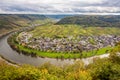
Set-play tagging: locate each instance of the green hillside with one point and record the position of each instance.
(93, 20)
(62, 31)
(13, 21)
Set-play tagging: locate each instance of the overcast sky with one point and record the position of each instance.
(59, 6)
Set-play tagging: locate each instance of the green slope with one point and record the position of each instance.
(12, 21)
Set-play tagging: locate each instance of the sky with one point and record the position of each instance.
(59, 6)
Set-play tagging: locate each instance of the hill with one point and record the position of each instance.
(58, 16)
(13, 21)
(93, 20)
(63, 31)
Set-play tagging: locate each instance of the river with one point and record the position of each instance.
(8, 53)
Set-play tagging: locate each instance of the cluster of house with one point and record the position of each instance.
(82, 43)
(23, 38)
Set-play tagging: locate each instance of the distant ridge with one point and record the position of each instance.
(93, 20)
(58, 16)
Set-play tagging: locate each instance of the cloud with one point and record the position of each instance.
(59, 6)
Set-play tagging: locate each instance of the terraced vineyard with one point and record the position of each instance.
(68, 41)
(61, 31)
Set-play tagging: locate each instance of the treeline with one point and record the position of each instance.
(93, 20)
(100, 69)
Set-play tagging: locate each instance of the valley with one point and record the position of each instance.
(50, 50)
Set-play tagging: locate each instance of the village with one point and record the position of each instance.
(81, 43)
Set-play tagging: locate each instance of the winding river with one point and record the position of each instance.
(11, 55)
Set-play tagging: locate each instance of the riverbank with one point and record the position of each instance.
(2, 59)
(34, 53)
(109, 67)
(18, 58)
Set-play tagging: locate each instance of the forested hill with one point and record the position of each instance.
(93, 20)
(12, 21)
(8, 21)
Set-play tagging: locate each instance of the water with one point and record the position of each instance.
(8, 53)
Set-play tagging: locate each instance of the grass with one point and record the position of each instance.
(64, 55)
